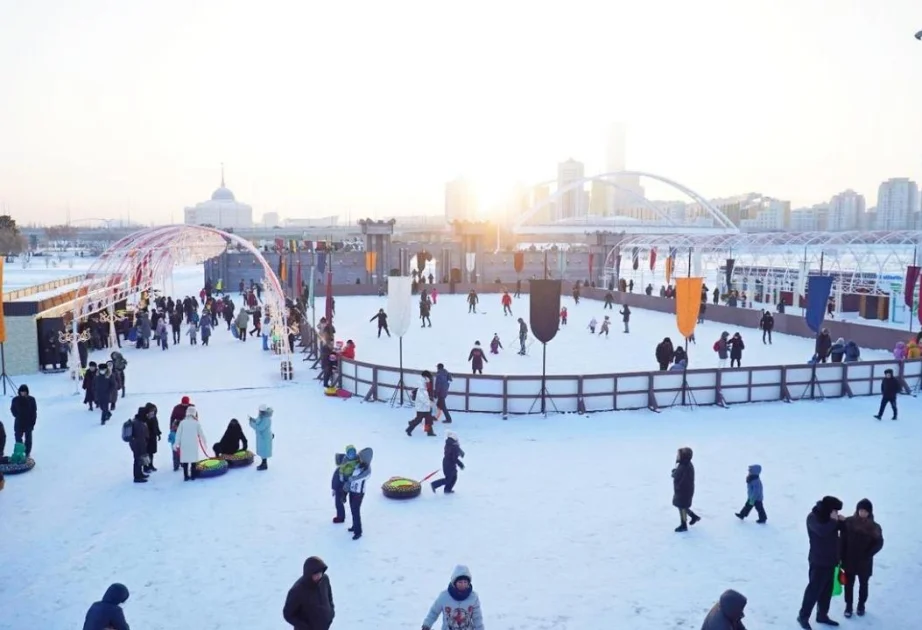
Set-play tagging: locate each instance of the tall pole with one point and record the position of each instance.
(400, 382)
(912, 300)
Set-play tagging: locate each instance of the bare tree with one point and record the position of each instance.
(11, 240)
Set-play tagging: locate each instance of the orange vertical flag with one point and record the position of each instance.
(370, 259)
(2, 318)
(669, 264)
(687, 304)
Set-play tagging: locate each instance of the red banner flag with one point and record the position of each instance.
(912, 275)
(653, 259)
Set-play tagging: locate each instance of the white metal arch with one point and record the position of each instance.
(610, 177)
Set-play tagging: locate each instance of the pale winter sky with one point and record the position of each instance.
(369, 107)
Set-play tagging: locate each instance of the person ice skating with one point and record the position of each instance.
(852, 352)
(609, 301)
(507, 303)
(478, 358)
(563, 316)
(25, 414)
(523, 336)
(262, 424)
(837, 351)
(472, 300)
(889, 389)
(767, 324)
(442, 383)
(233, 440)
(381, 316)
(702, 308)
(189, 434)
(626, 317)
(862, 539)
(518, 288)
(309, 603)
(606, 326)
(138, 443)
(576, 293)
(823, 345)
(346, 463)
(424, 308)
(107, 613)
(592, 324)
(153, 435)
(88, 377)
(451, 462)
(736, 349)
(683, 488)
(177, 416)
(823, 526)
(423, 404)
(754, 495)
(458, 605)
(357, 490)
(727, 613)
(664, 354)
(495, 344)
(722, 348)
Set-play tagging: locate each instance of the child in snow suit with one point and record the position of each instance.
(107, 613)
(683, 487)
(459, 605)
(563, 316)
(754, 495)
(889, 389)
(192, 331)
(605, 324)
(592, 324)
(495, 344)
(451, 462)
(507, 304)
(862, 538)
(88, 378)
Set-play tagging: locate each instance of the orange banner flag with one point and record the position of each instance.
(2, 318)
(370, 259)
(687, 304)
(669, 265)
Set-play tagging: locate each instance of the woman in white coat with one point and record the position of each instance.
(188, 436)
(423, 405)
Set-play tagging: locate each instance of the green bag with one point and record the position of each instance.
(838, 579)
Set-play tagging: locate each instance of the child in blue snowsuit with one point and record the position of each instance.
(451, 462)
(754, 495)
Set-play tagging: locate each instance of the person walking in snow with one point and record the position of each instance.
(889, 389)
(357, 490)
(606, 325)
(478, 358)
(381, 316)
(206, 325)
(102, 392)
(153, 436)
(472, 300)
(459, 604)
(309, 603)
(495, 344)
(176, 324)
(262, 424)
(346, 463)
(423, 404)
(118, 364)
(163, 338)
(507, 303)
(189, 434)
(576, 293)
(138, 444)
(88, 376)
(736, 349)
(451, 462)
(523, 336)
(767, 324)
(862, 539)
(727, 613)
(664, 354)
(107, 613)
(442, 383)
(823, 526)
(626, 317)
(177, 416)
(683, 488)
(609, 301)
(754, 495)
(242, 322)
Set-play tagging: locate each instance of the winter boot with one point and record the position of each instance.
(877, 417)
(336, 519)
(826, 621)
(351, 529)
(804, 623)
(848, 612)
(141, 480)
(264, 465)
(860, 610)
(740, 516)
(431, 434)
(681, 528)
(356, 536)
(694, 518)
(762, 521)
(151, 467)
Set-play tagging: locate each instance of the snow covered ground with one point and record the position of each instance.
(573, 351)
(566, 522)
(15, 277)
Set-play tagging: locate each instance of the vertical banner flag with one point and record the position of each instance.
(687, 304)
(909, 289)
(399, 304)
(653, 259)
(838, 308)
(2, 317)
(310, 288)
(591, 277)
(283, 269)
(298, 279)
(730, 264)
(470, 260)
(669, 263)
(696, 264)
(328, 310)
(321, 261)
(635, 258)
(370, 260)
(518, 261)
(544, 308)
(818, 289)
(562, 263)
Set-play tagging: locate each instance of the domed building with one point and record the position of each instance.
(221, 211)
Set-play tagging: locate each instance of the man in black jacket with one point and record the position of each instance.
(889, 389)
(309, 605)
(381, 316)
(823, 526)
(767, 324)
(138, 443)
(25, 413)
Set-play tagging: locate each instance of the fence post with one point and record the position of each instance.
(580, 403)
(846, 389)
(372, 394)
(651, 396)
(505, 396)
(719, 394)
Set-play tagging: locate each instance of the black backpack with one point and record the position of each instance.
(127, 431)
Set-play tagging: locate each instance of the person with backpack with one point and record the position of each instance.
(107, 614)
(135, 433)
(25, 414)
(722, 348)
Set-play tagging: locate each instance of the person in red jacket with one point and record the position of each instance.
(507, 303)
(348, 352)
(563, 316)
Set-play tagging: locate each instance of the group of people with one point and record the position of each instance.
(835, 352)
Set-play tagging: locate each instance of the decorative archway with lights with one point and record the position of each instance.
(144, 260)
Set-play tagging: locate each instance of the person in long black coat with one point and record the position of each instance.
(683, 488)
(232, 441)
(477, 358)
(823, 345)
(309, 604)
(25, 414)
(664, 354)
(862, 539)
(153, 434)
(823, 526)
(102, 392)
(138, 444)
(451, 462)
(88, 377)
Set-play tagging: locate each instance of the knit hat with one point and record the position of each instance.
(185, 401)
(192, 412)
(831, 503)
(451, 435)
(263, 408)
(865, 504)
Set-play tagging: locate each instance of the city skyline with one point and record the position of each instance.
(118, 110)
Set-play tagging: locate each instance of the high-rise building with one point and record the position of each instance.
(616, 149)
(845, 211)
(539, 195)
(897, 203)
(598, 199)
(570, 204)
(627, 192)
(460, 200)
(766, 214)
(271, 219)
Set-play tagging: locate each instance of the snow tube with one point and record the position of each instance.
(9, 468)
(239, 459)
(401, 488)
(210, 468)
